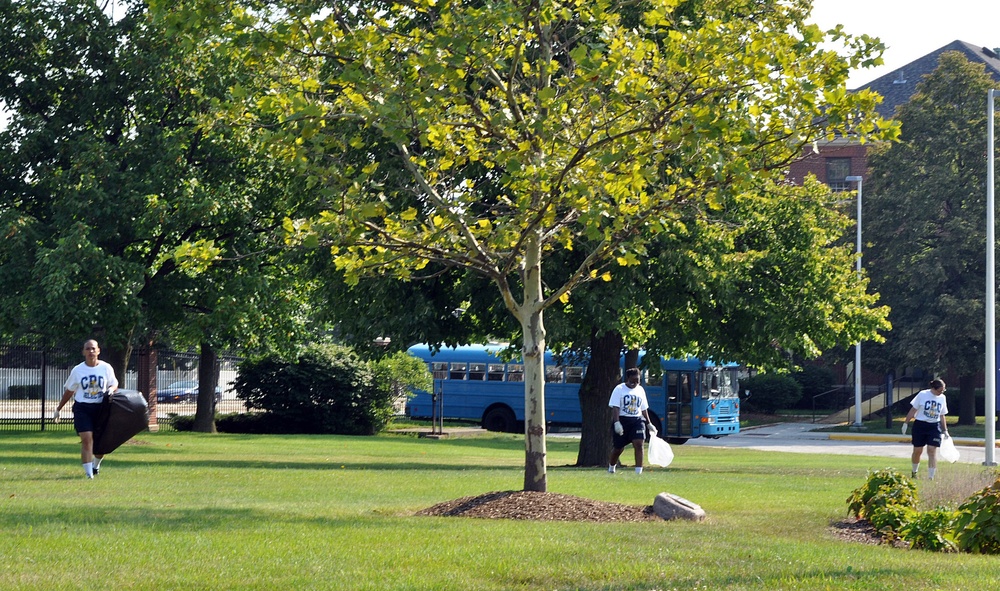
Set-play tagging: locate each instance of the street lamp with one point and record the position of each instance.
(991, 286)
(857, 348)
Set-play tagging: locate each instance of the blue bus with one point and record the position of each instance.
(688, 398)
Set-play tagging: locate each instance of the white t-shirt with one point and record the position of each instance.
(630, 401)
(930, 408)
(90, 383)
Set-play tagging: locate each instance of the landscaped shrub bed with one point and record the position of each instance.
(888, 501)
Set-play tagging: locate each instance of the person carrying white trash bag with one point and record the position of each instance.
(631, 418)
(929, 410)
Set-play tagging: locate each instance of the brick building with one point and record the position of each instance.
(842, 157)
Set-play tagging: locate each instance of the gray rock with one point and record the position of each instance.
(669, 506)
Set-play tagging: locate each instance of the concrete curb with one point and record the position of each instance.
(968, 441)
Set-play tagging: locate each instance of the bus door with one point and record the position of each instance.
(678, 420)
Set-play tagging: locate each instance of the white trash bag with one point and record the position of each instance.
(947, 451)
(660, 453)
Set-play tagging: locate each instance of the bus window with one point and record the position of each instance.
(654, 379)
(457, 371)
(553, 374)
(477, 371)
(684, 388)
(496, 372)
(574, 375)
(515, 372)
(440, 370)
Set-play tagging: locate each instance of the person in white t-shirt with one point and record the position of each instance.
(928, 411)
(88, 384)
(628, 401)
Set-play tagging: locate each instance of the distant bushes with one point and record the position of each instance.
(25, 392)
(771, 392)
(325, 389)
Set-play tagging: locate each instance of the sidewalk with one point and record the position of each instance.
(886, 437)
(446, 433)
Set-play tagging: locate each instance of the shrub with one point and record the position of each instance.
(883, 487)
(401, 374)
(814, 379)
(326, 389)
(931, 530)
(182, 422)
(25, 392)
(250, 423)
(977, 528)
(886, 516)
(770, 392)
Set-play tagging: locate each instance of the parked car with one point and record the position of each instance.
(186, 391)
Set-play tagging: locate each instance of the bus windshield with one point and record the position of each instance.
(722, 382)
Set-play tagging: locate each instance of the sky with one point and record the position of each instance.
(910, 28)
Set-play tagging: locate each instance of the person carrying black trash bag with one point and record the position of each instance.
(88, 385)
(628, 401)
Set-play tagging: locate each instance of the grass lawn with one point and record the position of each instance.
(188, 511)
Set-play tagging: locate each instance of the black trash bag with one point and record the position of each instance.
(125, 413)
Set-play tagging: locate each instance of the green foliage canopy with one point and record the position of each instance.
(490, 136)
(927, 223)
(127, 209)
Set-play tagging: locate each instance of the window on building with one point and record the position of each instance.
(837, 171)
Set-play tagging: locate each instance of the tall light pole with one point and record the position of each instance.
(991, 289)
(857, 348)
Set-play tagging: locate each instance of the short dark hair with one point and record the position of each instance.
(937, 384)
(632, 374)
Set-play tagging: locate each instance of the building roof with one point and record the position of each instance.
(899, 85)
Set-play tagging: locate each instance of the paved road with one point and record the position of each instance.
(803, 438)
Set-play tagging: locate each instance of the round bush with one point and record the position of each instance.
(326, 389)
(771, 392)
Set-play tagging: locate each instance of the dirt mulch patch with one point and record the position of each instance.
(862, 532)
(539, 506)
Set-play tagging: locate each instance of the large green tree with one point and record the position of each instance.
(926, 227)
(762, 281)
(523, 130)
(129, 212)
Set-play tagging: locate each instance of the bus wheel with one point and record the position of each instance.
(677, 440)
(499, 418)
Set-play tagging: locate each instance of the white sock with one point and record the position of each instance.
(638, 469)
(611, 468)
(915, 466)
(97, 462)
(88, 469)
(931, 472)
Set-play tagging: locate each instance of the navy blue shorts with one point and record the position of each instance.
(925, 433)
(85, 415)
(635, 428)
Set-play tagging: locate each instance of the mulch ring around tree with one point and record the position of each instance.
(539, 506)
(545, 506)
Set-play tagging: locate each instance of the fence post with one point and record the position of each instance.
(889, 378)
(44, 388)
(146, 374)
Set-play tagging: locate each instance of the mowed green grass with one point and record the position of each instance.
(191, 511)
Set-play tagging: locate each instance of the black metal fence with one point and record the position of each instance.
(32, 380)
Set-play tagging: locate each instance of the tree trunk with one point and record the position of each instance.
(529, 313)
(602, 376)
(631, 359)
(208, 378)
(118, 359)
(966, 400)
